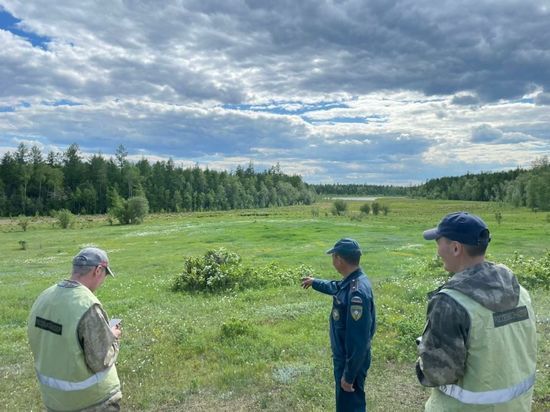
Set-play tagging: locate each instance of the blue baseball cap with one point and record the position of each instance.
(345, 247)
(462, 227)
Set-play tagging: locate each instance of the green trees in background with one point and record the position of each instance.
(34, 184)
(519, 187)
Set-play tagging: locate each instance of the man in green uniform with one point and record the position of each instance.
(352, 324)
(73, 345)
(478, 348)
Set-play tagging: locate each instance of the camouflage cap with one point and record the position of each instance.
(92, 256)
(461, 227)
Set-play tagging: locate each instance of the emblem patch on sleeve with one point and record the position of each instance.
(356, 312)
(335, 314)
(356, 300)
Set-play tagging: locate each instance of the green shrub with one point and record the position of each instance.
(531, 272)
(339, 207)
(365, 208)
(236, 327)
(23, 244)
(23, 221)
(356, 217)
(385, 210)
(65, 218)
(131, 211)
(221, 270)
(375, 208)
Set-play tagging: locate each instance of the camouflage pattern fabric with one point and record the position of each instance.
(443, 348)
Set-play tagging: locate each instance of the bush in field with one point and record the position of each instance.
(531, 272)
(375, 208)
(221, 270)
(365, 208)
(23, 221)
(234, 328)
(339, 207)
(385, 210)
(356, 217)
(65, 218)
(131, 211)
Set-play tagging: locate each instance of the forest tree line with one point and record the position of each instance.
(360, 190)
(519, 187)
(32, 183)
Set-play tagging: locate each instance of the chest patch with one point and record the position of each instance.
(335, 314)
(356, 312)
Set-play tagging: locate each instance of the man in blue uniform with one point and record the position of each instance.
(352, 324)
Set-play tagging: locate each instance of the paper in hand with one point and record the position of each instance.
(114, 322)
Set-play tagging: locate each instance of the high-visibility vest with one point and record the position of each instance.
(66, 382)
(500, 364)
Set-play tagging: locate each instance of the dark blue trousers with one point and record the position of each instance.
(350, 401)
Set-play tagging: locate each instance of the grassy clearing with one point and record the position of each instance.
(260, 349)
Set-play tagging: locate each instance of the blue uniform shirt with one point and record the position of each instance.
(352, 321)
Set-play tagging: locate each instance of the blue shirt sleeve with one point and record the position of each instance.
(359, 325)
(329, 287)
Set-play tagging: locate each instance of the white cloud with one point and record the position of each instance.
(396, 94)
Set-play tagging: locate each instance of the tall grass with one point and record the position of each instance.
(263, 348)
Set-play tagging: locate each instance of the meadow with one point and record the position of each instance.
(262, 348)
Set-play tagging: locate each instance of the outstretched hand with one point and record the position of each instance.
(307, 281)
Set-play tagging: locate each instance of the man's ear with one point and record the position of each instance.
(456, 248)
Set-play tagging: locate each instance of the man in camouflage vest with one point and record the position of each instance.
(478, 348)
(73, 345)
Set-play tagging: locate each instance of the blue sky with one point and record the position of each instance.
(350, 91)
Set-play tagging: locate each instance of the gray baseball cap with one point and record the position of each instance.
(92, 256)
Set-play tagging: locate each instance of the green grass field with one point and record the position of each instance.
(178, 351)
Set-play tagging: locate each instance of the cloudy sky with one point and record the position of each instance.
(350, 91)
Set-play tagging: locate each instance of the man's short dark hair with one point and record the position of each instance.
(81, 270)
(481, 248)
(351, 258)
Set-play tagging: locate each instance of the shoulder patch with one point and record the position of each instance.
(356, 300)
(356, 311)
